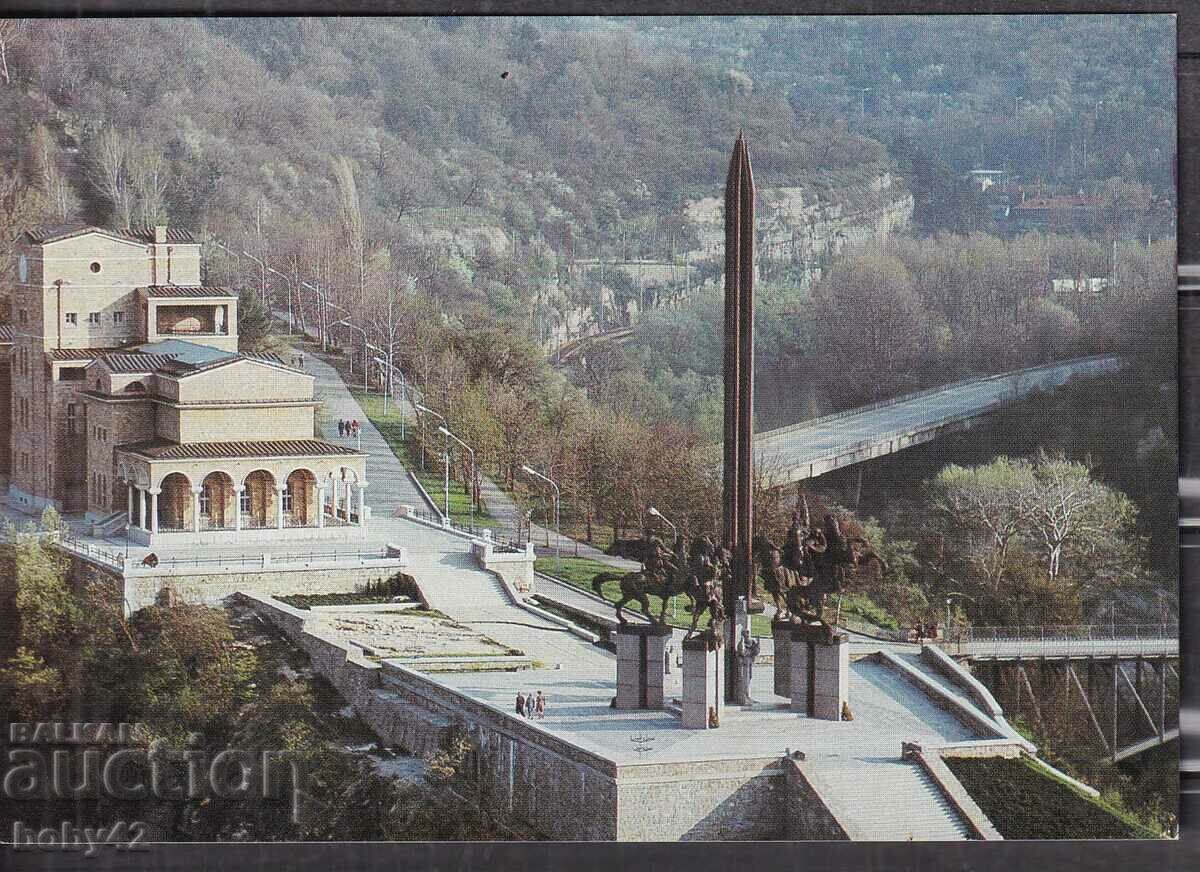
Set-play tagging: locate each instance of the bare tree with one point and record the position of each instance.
(352, 221)
(148, 177)
(11, 30)
(60, 196)
(108, 171)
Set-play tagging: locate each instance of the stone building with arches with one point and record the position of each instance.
(129, 402)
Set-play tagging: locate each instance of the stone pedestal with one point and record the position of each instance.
(781, 632)
(820, 672)
(640, 657)
(703, 681)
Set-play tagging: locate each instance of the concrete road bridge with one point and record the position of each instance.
(812, 448)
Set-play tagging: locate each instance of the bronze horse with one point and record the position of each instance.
(665, 575)
(814, 563)
(796, 591)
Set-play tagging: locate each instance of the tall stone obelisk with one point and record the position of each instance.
(739, 406)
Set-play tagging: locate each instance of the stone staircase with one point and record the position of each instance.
(885, 800)
(114, 523)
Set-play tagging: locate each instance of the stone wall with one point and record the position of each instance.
(524, 773)
(807, 815)
(717, 800)
(530, 777)
(204, 585)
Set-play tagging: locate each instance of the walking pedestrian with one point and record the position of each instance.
(342, 427)
(540, 706)
(529, 705)
(354, 427)
(521, 703)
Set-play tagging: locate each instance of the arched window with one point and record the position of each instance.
(135, 387)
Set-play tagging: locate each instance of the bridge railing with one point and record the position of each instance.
(1015, 374)
(1100, 640)
(1064, 633)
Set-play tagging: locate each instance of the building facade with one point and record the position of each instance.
(129, 401)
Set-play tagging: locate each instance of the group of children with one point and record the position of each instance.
(529, 706)
(348, 428)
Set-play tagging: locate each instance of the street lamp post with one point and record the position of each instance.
(471, 483)
(290, 289)
(346, 322)
(322, 312)
(947, 633)
(263, 266)
(557, 526)
(674, 535)
(421, 408)
(656, 513)
(397, 371)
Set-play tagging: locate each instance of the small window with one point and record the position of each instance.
(206, 502)
(118, 317)
(71, 373)
(244, 502)
(71, 418)
(72, 318)
(94, 319)
(287, 499)
(24, 316)
(135, 387)
(95, 267)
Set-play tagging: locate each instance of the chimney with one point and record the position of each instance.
(160, 233)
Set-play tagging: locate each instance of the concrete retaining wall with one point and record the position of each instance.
(529, 776)
(203, 587)
(807, 816)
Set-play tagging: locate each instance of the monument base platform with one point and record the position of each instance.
(703, 682)
(820, 671)
(641, 662)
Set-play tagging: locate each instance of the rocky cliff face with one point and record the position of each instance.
(813, 220)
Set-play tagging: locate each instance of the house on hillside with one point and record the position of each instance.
(127, 400)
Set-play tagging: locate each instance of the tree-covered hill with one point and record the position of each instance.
(554, 132)
(1065, 98)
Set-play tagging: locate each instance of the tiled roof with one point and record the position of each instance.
(6, 333)
(187, 291)
(181, 368)
(160, 450)
(126, 362)
(174, 234)
(75, 353)
(56, 232)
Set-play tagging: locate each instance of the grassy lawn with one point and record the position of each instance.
(308, 600)
(432, 477)
(1024, 800)
(579, 572)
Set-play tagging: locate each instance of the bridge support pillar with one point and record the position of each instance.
(641, 663)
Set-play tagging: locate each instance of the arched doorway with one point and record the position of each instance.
(175, 503)
(258, 500)
(300, 499)
(217, 502)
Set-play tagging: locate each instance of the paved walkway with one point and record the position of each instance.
(389, 485)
